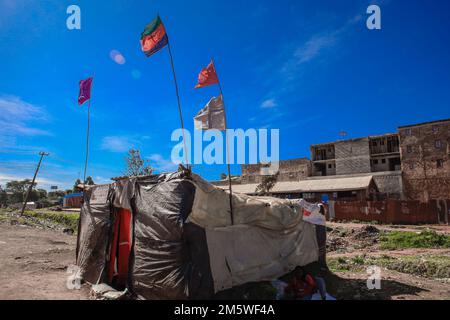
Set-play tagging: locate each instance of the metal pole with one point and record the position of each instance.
(179, 103)
(227, 147)
(42, 154)
(87, 144)
(87, 136)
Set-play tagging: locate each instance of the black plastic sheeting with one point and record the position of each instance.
(93, 233)
(170, 257)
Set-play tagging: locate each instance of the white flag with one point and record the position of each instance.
(212, 116)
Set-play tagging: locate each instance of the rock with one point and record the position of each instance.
(370, 229)
(68, 231)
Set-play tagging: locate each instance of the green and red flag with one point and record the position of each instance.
(154, 37)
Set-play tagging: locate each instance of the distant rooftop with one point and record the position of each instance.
(354, 139)
(349, 183)
(424, 123)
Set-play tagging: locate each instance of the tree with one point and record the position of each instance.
(267, 184)
(75, 186)
(18, 189)
(56, 194)
(90, 181)
(3, 197)
(42, 194)
(135, 165)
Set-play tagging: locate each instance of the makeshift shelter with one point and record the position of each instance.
(169, 236)
(73, 200)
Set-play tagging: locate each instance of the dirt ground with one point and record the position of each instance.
(360, 242)
(33, 264)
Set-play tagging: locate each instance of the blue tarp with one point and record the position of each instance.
(71, 195)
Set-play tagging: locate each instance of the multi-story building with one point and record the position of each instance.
(378, 156)
(413, 163)
(362, 155)
(425, 160)
(289, 170)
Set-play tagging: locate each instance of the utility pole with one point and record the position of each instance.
(42, 154)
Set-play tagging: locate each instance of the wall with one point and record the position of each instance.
(390, 184)
(289, 170)
(390, 211)
(352, 156)
(423, 180)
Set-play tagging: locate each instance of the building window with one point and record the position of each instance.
(383, 160)
(408, 132)
(329, 166)
(438, 144)
(375, 161)
(435, 129)
(440, 163)
(409, 149)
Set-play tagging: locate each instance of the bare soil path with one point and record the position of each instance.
(414, 228)
(33, 264)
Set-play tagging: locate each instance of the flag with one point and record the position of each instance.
(207, 76)
(85, 90)
(212, 116)
(154, 37)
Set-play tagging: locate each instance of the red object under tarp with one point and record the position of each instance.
(120, 248)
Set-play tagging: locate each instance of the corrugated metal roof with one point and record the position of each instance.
(311, 185)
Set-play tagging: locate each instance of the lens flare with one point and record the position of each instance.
(117, 57)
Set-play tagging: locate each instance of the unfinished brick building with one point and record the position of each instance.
(289, 170)
(378, 156)
(425, 157)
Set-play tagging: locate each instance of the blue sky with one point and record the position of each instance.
(308, 68)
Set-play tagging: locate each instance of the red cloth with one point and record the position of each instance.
(207, 76)
(120, 247)
(85, 90)
(301, 288)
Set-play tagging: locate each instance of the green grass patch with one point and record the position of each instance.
(429, 266)
(67, 219)
(424, 239)
(345, 264)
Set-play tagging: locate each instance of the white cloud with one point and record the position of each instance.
(160, 164)
(17, 116)
(317, 45)
(118, 143)
(41, 182)
(269, 103)
(313, 47)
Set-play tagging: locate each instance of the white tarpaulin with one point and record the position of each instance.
(268, 238)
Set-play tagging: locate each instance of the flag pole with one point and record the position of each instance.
(179, 103)
(227, 146)
(87, 136)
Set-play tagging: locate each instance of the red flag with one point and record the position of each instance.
(207, 76)
(85, 90)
